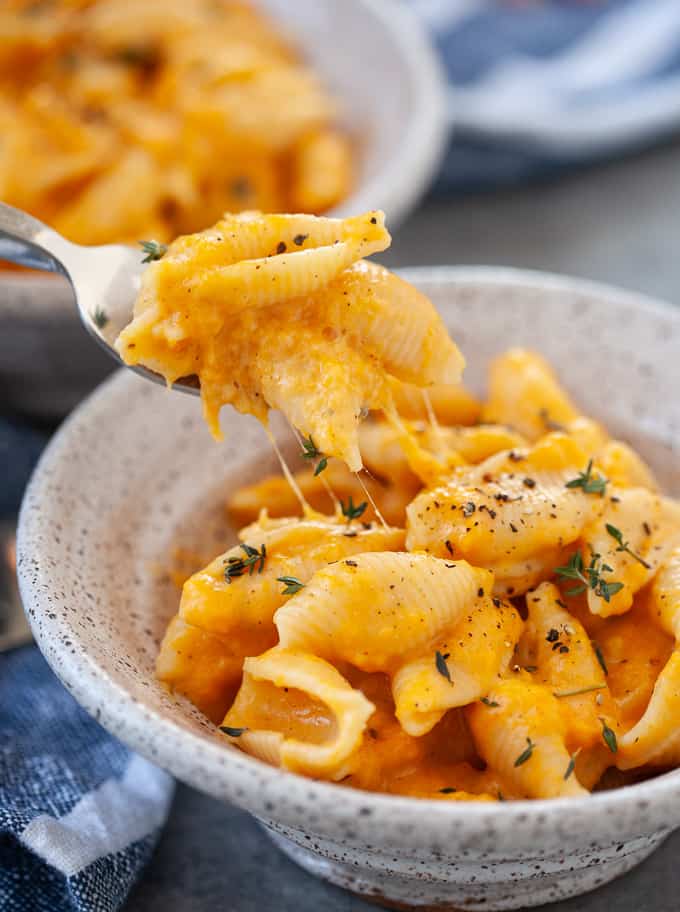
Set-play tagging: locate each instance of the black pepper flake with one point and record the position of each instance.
(480, 592)
(374, 221)
(553, 635)
(281, 247)
(529, 482)
(351, 563)
(468, 508)
(492, 513)
(564, 649)
(515, 457)
(449, 547)
(647, 528)
(497, 602)
(299, 239)
(615, 499)
(513, 527)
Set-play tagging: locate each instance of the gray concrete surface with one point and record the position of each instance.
(616, 223)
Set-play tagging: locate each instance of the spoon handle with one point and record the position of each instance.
(26, 241)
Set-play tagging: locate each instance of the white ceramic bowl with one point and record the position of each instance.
(375, 57)
(133, 473)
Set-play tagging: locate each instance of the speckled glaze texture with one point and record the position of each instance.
(133, 475)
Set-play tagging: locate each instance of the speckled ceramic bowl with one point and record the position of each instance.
(134, 474)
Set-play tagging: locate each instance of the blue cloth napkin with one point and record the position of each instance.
(79, 812)
(539, 85)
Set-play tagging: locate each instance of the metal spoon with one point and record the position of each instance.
(105, 279)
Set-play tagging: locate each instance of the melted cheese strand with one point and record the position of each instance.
(434, 423)
(371, 501)
(290, 478)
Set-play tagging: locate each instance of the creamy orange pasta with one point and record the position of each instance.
(500, 623)
(122, 120)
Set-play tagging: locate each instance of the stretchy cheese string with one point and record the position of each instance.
(371, 501)
(306, 509)
(434, 423)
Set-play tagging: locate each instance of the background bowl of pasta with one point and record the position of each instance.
(120, 125)
(144, 489)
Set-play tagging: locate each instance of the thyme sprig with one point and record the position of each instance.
(590, 577)
(254, 560)
(591, 484)
(526, 753)
(578, 691)
(100, 318)
(442, 667)
(609, 737)
(351, 511)
(291, 583)
(600, 658)
(572, 764)
(154, 250)
(617, 535)
(233, 732)
(311, 451)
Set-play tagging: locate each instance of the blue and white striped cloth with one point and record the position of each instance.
(79, 813)
(537, 85)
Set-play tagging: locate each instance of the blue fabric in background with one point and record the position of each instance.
(537, 87)
(80, 814)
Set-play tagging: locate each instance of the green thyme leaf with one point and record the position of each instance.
(254, 560)
(487, 701)
(350, 511)
(233, 732)
(591, 484)
(600, 658)
(526, 753)
(292, 584)
(100, 318)
(617, 535)
(442, 667)
(154, 250)
(572, 765)
(609, 737)
(578, 691)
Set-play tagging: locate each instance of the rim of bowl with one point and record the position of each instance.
(253, 785)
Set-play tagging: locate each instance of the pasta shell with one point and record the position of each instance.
(295, 548)
(655, 739)
(204, 667)
(513, 507)
(317, 693)
(477, 651)
(638, 515)
(634, 652)
(560, 649)
(398, 604)
(524, 394)
(665, 601)
(523, 739)
(624, 468)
